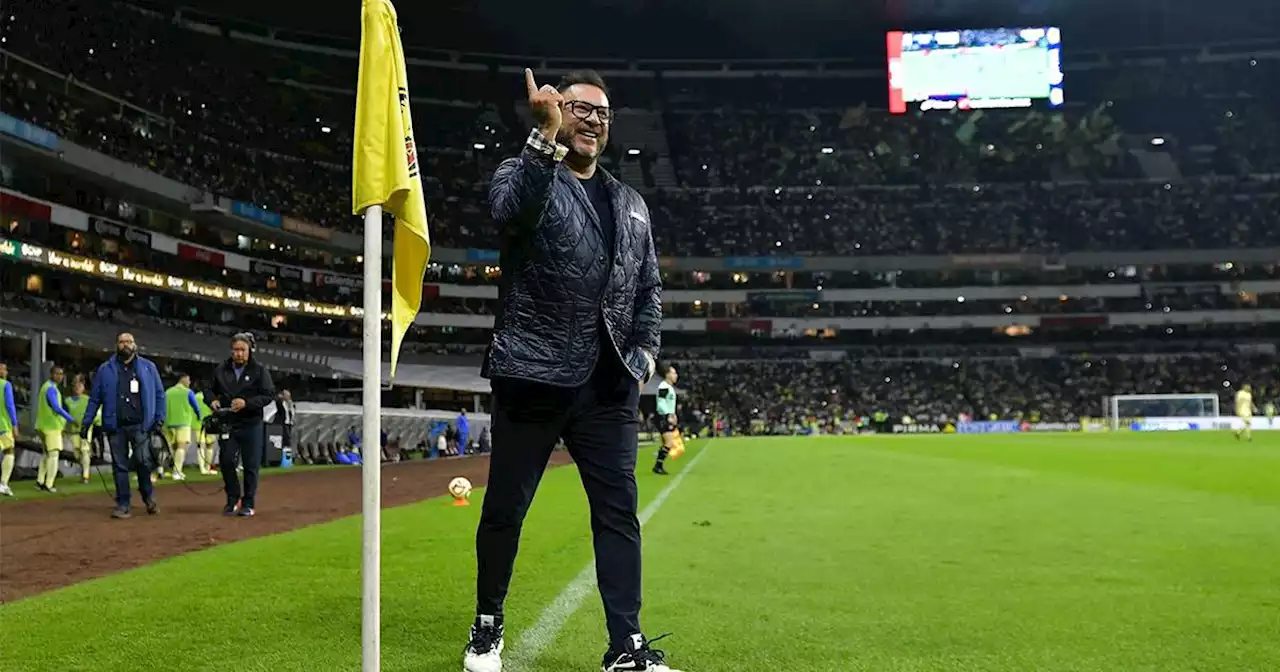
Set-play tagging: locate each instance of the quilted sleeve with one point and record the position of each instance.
(521, 185)
(648, 309)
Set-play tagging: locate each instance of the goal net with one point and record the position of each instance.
(1164, 411)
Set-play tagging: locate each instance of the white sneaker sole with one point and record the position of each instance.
(485, 663)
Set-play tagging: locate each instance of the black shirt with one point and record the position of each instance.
(128, 402)
(598, 193)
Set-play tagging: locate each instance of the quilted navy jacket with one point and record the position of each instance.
(557, 278)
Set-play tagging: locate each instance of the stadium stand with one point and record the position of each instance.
(823, 259)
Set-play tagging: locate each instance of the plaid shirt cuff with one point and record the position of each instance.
(540, 145)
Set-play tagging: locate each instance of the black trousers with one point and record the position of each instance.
(599, 422)
(243, 447)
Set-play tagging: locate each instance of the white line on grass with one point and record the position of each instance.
(538, 638)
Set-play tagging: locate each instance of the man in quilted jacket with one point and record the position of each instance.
(575, 337)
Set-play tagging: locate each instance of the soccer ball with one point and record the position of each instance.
(460, 488)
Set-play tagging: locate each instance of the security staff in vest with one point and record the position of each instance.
(242, 387)
(129, 391)
(575, 336)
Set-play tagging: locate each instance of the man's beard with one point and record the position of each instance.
(125, 353)
(565, 137)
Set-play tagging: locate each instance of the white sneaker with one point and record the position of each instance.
(179, 476)
(636, 655)
(6, 491)
(484, 651)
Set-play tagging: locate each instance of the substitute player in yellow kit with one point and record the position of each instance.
(1244, 411)
(76, 404)
(204, 440)
(183, 413)
(668, 422)
(8, 431)
(51, 419)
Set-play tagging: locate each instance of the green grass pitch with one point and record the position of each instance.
(1046, 553)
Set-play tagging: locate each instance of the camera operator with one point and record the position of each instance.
(242, 387)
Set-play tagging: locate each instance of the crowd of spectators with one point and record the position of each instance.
(977, 219)
(147, 311)
(1206, 295)
(800, 169)
(766, 166)
(792, 396)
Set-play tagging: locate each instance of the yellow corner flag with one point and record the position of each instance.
(385, 162)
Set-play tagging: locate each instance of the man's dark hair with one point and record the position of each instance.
(245, 337)
(582, 77)
(180, 375)
(665, 369)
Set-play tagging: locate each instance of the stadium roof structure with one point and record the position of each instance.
(746, 29)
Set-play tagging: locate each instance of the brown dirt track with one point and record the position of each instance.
(52, 543)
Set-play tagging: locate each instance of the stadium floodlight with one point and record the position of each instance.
(1163, 406)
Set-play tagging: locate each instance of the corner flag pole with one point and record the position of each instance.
(370, 444)
(384, 178)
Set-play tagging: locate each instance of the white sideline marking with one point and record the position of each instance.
(538, 638)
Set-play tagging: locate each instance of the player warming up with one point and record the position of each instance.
(672, 442)
(183, 413)
(1244, 411)
(204, 440)
(8, 431)
(51, 419)
(77, 403)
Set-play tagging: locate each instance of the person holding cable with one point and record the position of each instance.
(242, 388)
(576, 335)
(128, 390)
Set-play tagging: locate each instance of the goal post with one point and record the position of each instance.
(1166, 406)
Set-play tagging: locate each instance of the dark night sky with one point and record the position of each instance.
(754, 28)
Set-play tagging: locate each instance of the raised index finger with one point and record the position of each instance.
(529, 84)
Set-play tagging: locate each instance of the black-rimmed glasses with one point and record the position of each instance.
(582, 110)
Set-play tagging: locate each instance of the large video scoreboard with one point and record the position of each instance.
(975, 69)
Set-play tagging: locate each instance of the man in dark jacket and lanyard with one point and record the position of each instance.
(242, 387)
(575, 336)
(130, 393)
